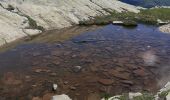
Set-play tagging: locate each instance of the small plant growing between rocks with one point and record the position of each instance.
(163, 94)
(123, 97)
(33, 24)
(106, 96)
(145, 96)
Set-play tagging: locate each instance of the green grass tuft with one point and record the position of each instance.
(33, 24)
(164, 94)
(147, 16)
(145, 96)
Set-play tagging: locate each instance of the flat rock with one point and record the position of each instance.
(73, 88)
(93, 96)
(131, 66)
(106, 81)
(40, 70)
(53, 74)
(61, 97)
(140, 72)
(127, 82)
(36, 98)
(10, 79)
(117, 22)
(47, 96)
(132, 95)
(77, 69)
(121, 75)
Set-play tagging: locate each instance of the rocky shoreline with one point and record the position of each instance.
(26, 18)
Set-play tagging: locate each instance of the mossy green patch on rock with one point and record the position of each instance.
(33, 24)
(163, 94)
(145, 96)
(147, 16)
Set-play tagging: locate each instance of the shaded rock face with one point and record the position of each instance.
(17, 15)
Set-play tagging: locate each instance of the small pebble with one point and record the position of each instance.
(55, 86)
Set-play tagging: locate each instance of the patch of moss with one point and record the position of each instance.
(145, 96)
(40, 28)
(147, 16)
(33, 24)
(129, 23)
(106, 96)
(164, 94)
(124, 97)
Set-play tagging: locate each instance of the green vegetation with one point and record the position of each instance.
(147, 16)
(151, 15)
(123, 97)
(106, 96)
(33, 24)
(145, 96)
(164, 94)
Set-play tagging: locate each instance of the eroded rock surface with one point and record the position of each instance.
(165, 28)
(18, 15)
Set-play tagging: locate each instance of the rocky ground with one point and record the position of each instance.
(20, 18)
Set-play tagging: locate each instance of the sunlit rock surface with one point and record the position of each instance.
(50, 14)
(61, 97)
(11, 26)
(165, 28)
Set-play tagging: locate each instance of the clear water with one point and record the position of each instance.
(133, 59)
(148, 3)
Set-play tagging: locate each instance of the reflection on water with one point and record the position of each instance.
(112, 59)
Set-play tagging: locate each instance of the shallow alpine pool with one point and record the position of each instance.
(85, 64)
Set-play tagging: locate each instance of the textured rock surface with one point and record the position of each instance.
(61, 97)
(11, 26)
(51, 14)
(165, 28)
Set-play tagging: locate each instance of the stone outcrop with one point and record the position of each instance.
(165, 28)
(61, 97)
(20, 18)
